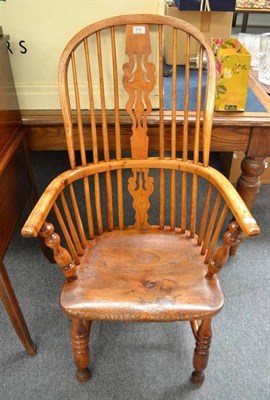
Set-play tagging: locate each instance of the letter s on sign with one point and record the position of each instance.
(24, 49)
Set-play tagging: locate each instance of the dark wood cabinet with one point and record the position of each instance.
(16, 186)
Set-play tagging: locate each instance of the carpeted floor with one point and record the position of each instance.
(138, 361)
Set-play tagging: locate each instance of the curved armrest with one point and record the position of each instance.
(39, 213)
(237, 206)
(235, 202)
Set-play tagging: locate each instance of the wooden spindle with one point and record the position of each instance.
(198, 109)
(173, 200)
(102, 100)
(184, 202)
(174, 76)
(66, 234)
(161, 95)
(98, 204)
(109, 199)
(105, 133)
(193, 213)
(216, 233)
(173, 130)
(186, 101)
(77, 216)
(88, 206)
(78, 110)
(71, 225)
(94, 140)
(116, 97)
(91, 102)
(211, 224)
(161, 128)
(162, 199)
(120, 202)
(185, 138)
(205, 214)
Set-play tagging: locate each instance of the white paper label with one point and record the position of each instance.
(139, 30)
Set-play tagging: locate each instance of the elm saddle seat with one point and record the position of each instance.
(139, 230)
(153, 275)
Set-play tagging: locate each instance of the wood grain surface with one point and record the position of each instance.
(135, 275)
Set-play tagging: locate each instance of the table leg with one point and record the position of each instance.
(244, 22)
(249, 183)
(11, 304)
(234, 19)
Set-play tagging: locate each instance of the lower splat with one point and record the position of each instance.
(141, 186)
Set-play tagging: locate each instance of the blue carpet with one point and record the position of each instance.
(253, 103)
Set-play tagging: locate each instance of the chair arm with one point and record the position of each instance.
(235, 203)
(42, 208)
(39, 213)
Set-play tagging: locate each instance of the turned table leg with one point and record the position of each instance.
(249, 183)
(12, 306)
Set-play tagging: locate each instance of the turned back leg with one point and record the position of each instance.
(201, 352)
(80, 344)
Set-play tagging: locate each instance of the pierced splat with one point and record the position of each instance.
(138, 80)
(141, 186)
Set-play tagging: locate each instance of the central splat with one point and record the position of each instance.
(138, 80)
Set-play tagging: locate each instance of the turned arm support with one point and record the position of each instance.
(61, 255)
(36, 224)
(221, 255)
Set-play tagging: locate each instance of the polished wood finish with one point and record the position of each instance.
(61, 255)
(80, 332)
(137, 266)
(201, 353)
(138, 88)
(222, 254)
(16, 187)
(137, 275)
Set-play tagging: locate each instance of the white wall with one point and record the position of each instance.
(45, 27)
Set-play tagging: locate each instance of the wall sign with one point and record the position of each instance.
(21, 46)
(39, 31)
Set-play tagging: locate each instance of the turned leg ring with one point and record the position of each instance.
(80, 338)
(201, 352)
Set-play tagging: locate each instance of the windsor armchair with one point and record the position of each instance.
(141, 228)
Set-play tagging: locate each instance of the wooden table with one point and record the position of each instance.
(238, 131)
(246, 12)
(16, 187)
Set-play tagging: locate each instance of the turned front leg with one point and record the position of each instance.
(80, 345)
(201, 352)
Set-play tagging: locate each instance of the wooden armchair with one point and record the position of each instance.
(141, 227)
